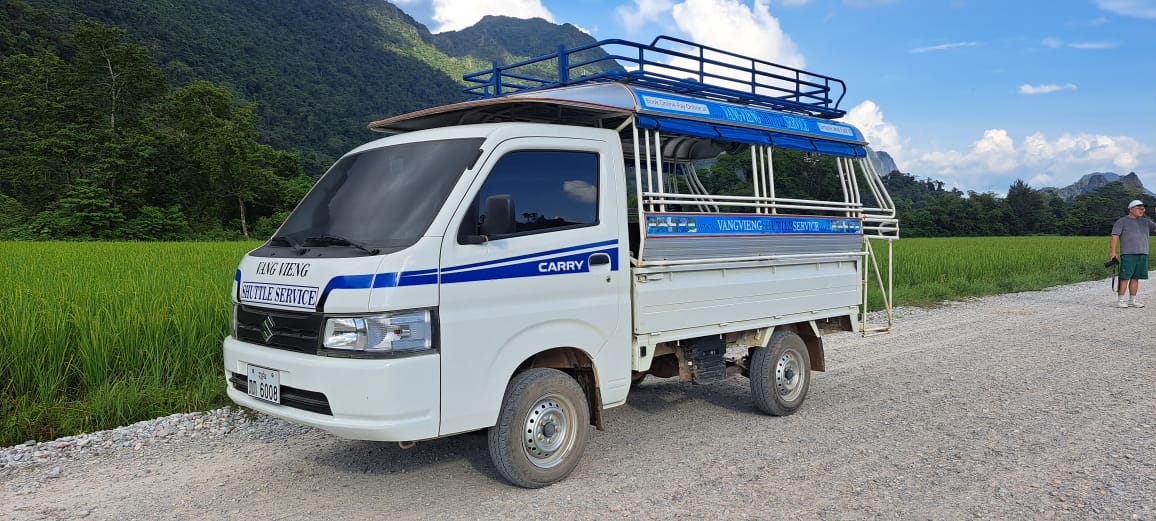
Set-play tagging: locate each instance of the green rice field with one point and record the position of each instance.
(101, 334)
(96, 335)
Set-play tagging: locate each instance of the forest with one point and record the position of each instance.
(102, 142)
(96, 145)
(927, 209)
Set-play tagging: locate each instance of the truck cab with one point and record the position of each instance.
(518, 262)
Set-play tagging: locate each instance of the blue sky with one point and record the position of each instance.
(976, 93)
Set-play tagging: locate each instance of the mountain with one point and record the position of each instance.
(882, 161)
(318, 70)
(500, 38)
(1090, 182)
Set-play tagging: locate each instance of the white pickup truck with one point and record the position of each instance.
(516, 262)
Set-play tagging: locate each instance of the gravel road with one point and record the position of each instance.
(1028, 406)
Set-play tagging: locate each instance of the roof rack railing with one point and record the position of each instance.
(673, 65)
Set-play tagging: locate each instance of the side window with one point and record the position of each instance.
(532, 191)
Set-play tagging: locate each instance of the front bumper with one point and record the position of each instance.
(394, 399)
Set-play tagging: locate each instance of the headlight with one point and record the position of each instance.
(235, 306)
(387, 333)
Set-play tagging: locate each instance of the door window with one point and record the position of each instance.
(547, 189)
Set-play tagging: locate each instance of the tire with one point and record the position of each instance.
(542, 428)
(780, 374)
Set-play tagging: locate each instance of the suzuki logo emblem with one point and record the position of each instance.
(267, 328)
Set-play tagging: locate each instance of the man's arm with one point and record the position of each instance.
(1112, 250)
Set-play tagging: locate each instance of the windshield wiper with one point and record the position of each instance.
(337, 240)
(297, 247)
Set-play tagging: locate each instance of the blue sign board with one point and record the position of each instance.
(662, 103)
(710, 224)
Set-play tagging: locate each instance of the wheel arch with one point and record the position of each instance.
(580, 366)
(809, 332)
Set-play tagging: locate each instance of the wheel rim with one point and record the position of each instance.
(789, 375)
(549, 431)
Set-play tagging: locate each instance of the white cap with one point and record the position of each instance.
(1135, 203)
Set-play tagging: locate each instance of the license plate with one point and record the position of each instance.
(265, 384)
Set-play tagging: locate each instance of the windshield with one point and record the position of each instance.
(380, 200)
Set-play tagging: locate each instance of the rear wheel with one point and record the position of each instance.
(780, 374)
(542, 428)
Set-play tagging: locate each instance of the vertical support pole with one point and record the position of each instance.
(563, 65)
(495, 80)
(755, 174)
(843, 180)
(658, 167)
(855, 187)
(638, 193)
(649, 169)
(769, 150)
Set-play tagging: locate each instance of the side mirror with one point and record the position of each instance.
(499, 217)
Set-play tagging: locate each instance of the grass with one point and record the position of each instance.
(930, 271)
(97, 335)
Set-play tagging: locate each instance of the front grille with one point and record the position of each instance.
(290, 396)
(292, 331)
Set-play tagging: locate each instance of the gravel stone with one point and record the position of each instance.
(1033, 405)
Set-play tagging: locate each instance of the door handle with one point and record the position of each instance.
(599, 259)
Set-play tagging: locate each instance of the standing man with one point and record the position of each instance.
(1131, 233)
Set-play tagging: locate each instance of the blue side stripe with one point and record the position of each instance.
(613, 242)
(463, 273)
(412, 279)
(533, 268)
(385, 280)
(237, 276)
(348, 282)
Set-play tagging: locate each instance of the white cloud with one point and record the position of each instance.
(1094, 45)
(1042, 180)
(732, 26)
(795, 3)
(995, 150)
(1045, 89)
(454, 15)
(995, 160)
(943, 47)
(643, 12)
(1094, 22)
(1132, 8)
(591, 32)
(1102, 152)
(1056, 43)
(868, 3)
(580, 191)
(868, 118)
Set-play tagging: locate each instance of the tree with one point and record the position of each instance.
(1094, 213)
(12, 215)
(86, 212)
(119, 78)
(37, 141)
(1028, 213)
(157, 224)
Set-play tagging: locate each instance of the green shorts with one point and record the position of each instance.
(1133, 267)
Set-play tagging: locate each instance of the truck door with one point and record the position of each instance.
(530, 262)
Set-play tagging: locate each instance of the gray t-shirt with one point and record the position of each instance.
(1133, 234)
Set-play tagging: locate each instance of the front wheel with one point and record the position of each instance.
(780, 374)
(542, 428)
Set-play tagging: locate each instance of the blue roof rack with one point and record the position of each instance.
(672, 65)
